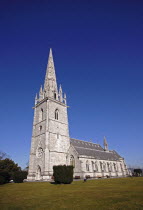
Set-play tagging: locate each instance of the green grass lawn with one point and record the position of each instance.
(121, 193)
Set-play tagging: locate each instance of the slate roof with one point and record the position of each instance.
(85, 148)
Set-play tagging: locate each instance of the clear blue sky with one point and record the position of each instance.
(98, 53)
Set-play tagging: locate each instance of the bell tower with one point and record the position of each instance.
(50, 137)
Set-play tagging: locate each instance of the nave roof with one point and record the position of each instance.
(90, 149)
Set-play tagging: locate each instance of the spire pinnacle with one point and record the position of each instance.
(105, 144)
(41, 93)
(50, 85)
(36, 99)
(61, 94)
(65, 98)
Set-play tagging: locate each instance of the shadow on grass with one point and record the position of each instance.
(56, 183)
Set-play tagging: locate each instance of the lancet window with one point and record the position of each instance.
(96, 166)
(41, 115)
(56, 114)
(72, 161)
(87, 165)
(93, 166)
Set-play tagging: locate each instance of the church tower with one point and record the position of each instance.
(50, 138)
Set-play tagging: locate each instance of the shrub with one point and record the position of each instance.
(2, 180)
(63, 174)
(5, 176)
(19, 176)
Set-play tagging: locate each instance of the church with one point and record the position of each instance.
(51, 144)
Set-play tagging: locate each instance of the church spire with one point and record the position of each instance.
(50, 85)
(105, 144)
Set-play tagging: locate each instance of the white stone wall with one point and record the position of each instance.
(81, 168)
(51, 136)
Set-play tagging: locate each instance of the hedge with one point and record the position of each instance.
(63, 174)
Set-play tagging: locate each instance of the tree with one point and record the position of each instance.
(3, 155)
(137, 172)
(9, 165)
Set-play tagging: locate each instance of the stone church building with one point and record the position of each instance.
(51, 144)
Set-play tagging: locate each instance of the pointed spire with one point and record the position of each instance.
(36, 99)
(50, 84)
(65, 98)
(61, 94)
(41, 93)
(105, 144)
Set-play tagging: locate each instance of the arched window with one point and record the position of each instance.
(121, 166)
(104, 166)
(111, 167)
(41, 115)
(72, 161)
(117, 168)
(114, 166)
(56, 114)
(87, 165)
(96, 166)
(38, 174)
(40, 127)
(55, 95)
(108, 166)
(93, 166)
(101, 166)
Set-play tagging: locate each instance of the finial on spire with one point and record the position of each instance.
(105, 144)
(50, 53)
